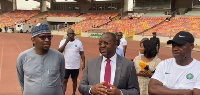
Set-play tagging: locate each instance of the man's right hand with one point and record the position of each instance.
(67, 40)
(99, 89)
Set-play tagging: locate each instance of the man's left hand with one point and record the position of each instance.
(113, 90)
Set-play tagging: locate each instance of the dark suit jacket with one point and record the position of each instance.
(157, 42)
(125, 76)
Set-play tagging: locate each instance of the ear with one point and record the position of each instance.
(33, 40)
(116, 43)
(192, 46)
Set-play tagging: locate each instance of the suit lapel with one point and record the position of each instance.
(98, 69)
(118, 70)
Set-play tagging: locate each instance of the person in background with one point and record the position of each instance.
(118, 50)
(123, 42)
(5, 28)
(141, 45)
(148, 49)
(179, 75)
(109, 74)
(65, 37)
(156, 40)
(40, 70)
(73, 50)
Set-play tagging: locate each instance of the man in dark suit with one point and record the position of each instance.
(109, 74)
(156, 40)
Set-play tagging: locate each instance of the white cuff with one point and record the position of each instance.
(90, 90)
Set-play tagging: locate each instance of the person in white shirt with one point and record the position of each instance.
(179, 75)
(118, 50)
(73, 50)
(123, 42)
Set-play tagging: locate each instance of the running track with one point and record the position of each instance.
(11, 44)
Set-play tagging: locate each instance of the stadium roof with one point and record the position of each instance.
(45, 0)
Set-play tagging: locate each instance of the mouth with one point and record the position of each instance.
(46, 45)
(176, 53)
(103, 51)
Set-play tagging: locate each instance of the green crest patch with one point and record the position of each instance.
(189, 76)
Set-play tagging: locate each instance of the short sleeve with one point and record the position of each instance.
(61, 43)
(81, 46)
(124, 42)
(159, 72)
(197, 84)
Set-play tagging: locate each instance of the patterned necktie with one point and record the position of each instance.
(107, 73)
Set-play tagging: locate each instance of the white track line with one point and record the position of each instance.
(1, 62)
(18, 46)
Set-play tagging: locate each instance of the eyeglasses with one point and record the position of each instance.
(105, 43)
(43, 37)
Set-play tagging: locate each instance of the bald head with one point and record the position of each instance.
(70, 31)
(112, 35)
(70, 34)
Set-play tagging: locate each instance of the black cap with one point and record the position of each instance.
(181, 38)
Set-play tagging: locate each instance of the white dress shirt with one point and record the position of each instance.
(113, 68)
(123, 43)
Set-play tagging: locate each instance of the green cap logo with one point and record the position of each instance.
(189, 76)
(75, 45)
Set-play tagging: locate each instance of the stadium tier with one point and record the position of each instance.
(99, 15)
(127, 25)
(136, 25)
(10, 18)
(93, 20)
(176, 24)
(88, 24)
(40, 18)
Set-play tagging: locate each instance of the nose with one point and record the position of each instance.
(102, 44)
(175, 47)
(46, 39)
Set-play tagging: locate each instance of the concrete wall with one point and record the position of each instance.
(43, 6)
(6, 6)
(65, 19)
(183, 3)
(84, 7)
(53, 32)
(125, 5)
